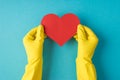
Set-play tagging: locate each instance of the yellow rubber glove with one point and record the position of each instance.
(87, 42)
(33, 43)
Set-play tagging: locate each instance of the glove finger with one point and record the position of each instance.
(75, 36)
(31, 34)
(90, 33)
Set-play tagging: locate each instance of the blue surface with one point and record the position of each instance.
(17, 17)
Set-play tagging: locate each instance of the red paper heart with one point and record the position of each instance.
(60, 29)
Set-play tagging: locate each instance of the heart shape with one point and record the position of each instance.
(60, 29)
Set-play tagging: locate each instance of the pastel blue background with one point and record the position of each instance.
(17, 17)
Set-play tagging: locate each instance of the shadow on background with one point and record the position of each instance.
(48, 53)
(97, 58)
(47, 58)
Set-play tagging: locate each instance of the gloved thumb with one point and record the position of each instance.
(81, 34)
(40, 35)
(90, 34)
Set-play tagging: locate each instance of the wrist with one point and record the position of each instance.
(35, 60)
(83, 59)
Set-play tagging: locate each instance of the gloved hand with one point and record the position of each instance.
(87, 42)
(33, 43)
